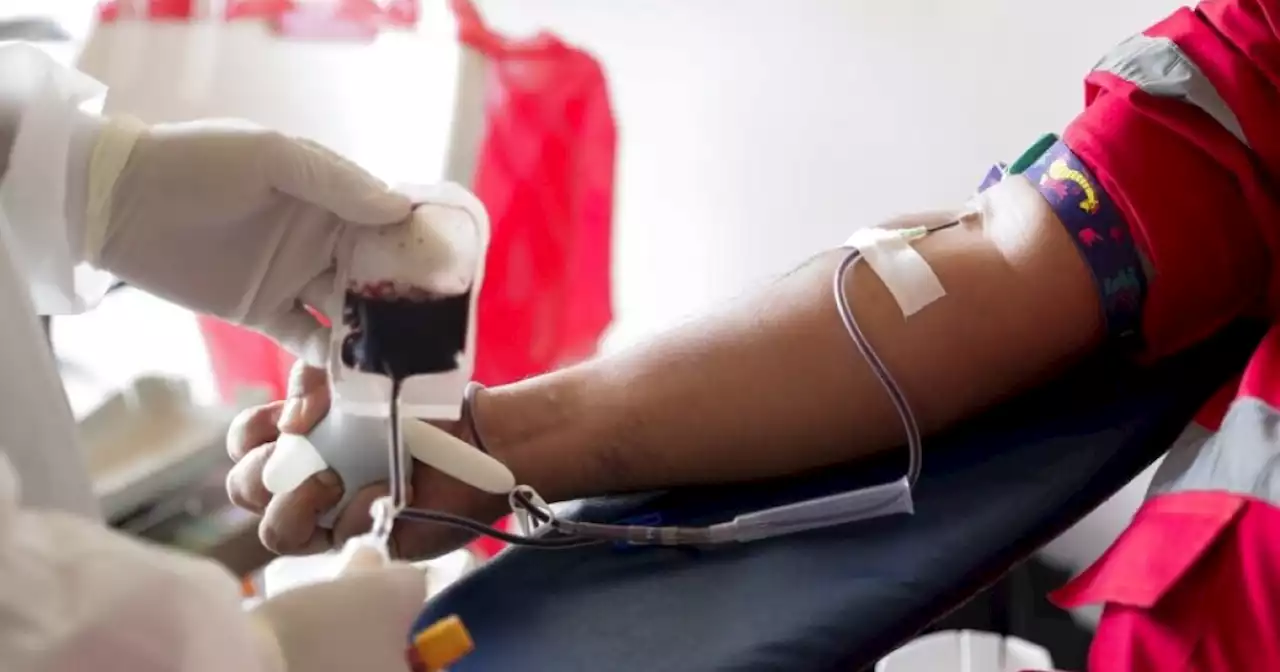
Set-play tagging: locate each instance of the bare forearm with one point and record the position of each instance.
(773, 385)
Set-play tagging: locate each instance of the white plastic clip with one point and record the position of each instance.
(528, 526)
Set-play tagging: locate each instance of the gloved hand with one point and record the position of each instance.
(290, 521)
(231, 220)
(358, 621)
(76, 595)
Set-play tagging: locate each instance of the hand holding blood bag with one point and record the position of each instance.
(409, 302)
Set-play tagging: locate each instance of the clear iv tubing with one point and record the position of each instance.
(909, 424)
(557, 533)
(915, 444)
(396, 506)
(398, 454)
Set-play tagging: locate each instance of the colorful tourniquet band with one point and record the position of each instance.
(1096, 226)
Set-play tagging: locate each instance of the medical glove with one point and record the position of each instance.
(231, 220)
(75, 595)
(358, 621)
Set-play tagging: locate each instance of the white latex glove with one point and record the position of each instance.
(231, 220)
(358, 621)
(75, 595)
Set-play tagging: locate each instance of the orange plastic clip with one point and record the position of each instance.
(439, 646)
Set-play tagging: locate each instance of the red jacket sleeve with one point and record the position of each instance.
(1182, 129)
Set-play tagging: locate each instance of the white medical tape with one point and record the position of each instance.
(903, 270)
(110, 155)
(294, 460)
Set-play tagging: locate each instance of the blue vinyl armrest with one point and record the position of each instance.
(992, 492)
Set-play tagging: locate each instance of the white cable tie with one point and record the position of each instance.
(524, 514)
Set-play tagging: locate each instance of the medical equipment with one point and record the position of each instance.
(407, 301)
(444, 643)
(874, 501)
(900, 267)
(404, 349)
(402, 346)
(997, 490)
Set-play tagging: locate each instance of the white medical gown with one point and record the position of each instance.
(73, 595)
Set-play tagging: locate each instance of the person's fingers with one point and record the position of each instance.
(294, 460)
(419, 541)
(305, 380)
(297, 329)
(356, 519)
(299, 332)
(322, 295)
(289, 522)
(244, 482)
(250, 440)
(289, 519)
(253, 427)
(412, 540)
(315, 174)
(308, 399)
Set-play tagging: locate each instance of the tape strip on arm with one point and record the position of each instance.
(902, 269)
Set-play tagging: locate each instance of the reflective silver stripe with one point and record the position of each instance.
(1180, 459)
(1242, 457)
(1157, 66)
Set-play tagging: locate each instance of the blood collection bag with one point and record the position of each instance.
(408, 309)
(543, 168)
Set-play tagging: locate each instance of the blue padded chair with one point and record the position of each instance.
(992, 493)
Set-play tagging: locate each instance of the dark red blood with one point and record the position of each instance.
(403, 337)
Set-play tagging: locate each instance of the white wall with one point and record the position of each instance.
(387, 106)
(755, 133)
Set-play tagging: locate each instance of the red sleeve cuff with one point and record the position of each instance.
(1177, 178)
